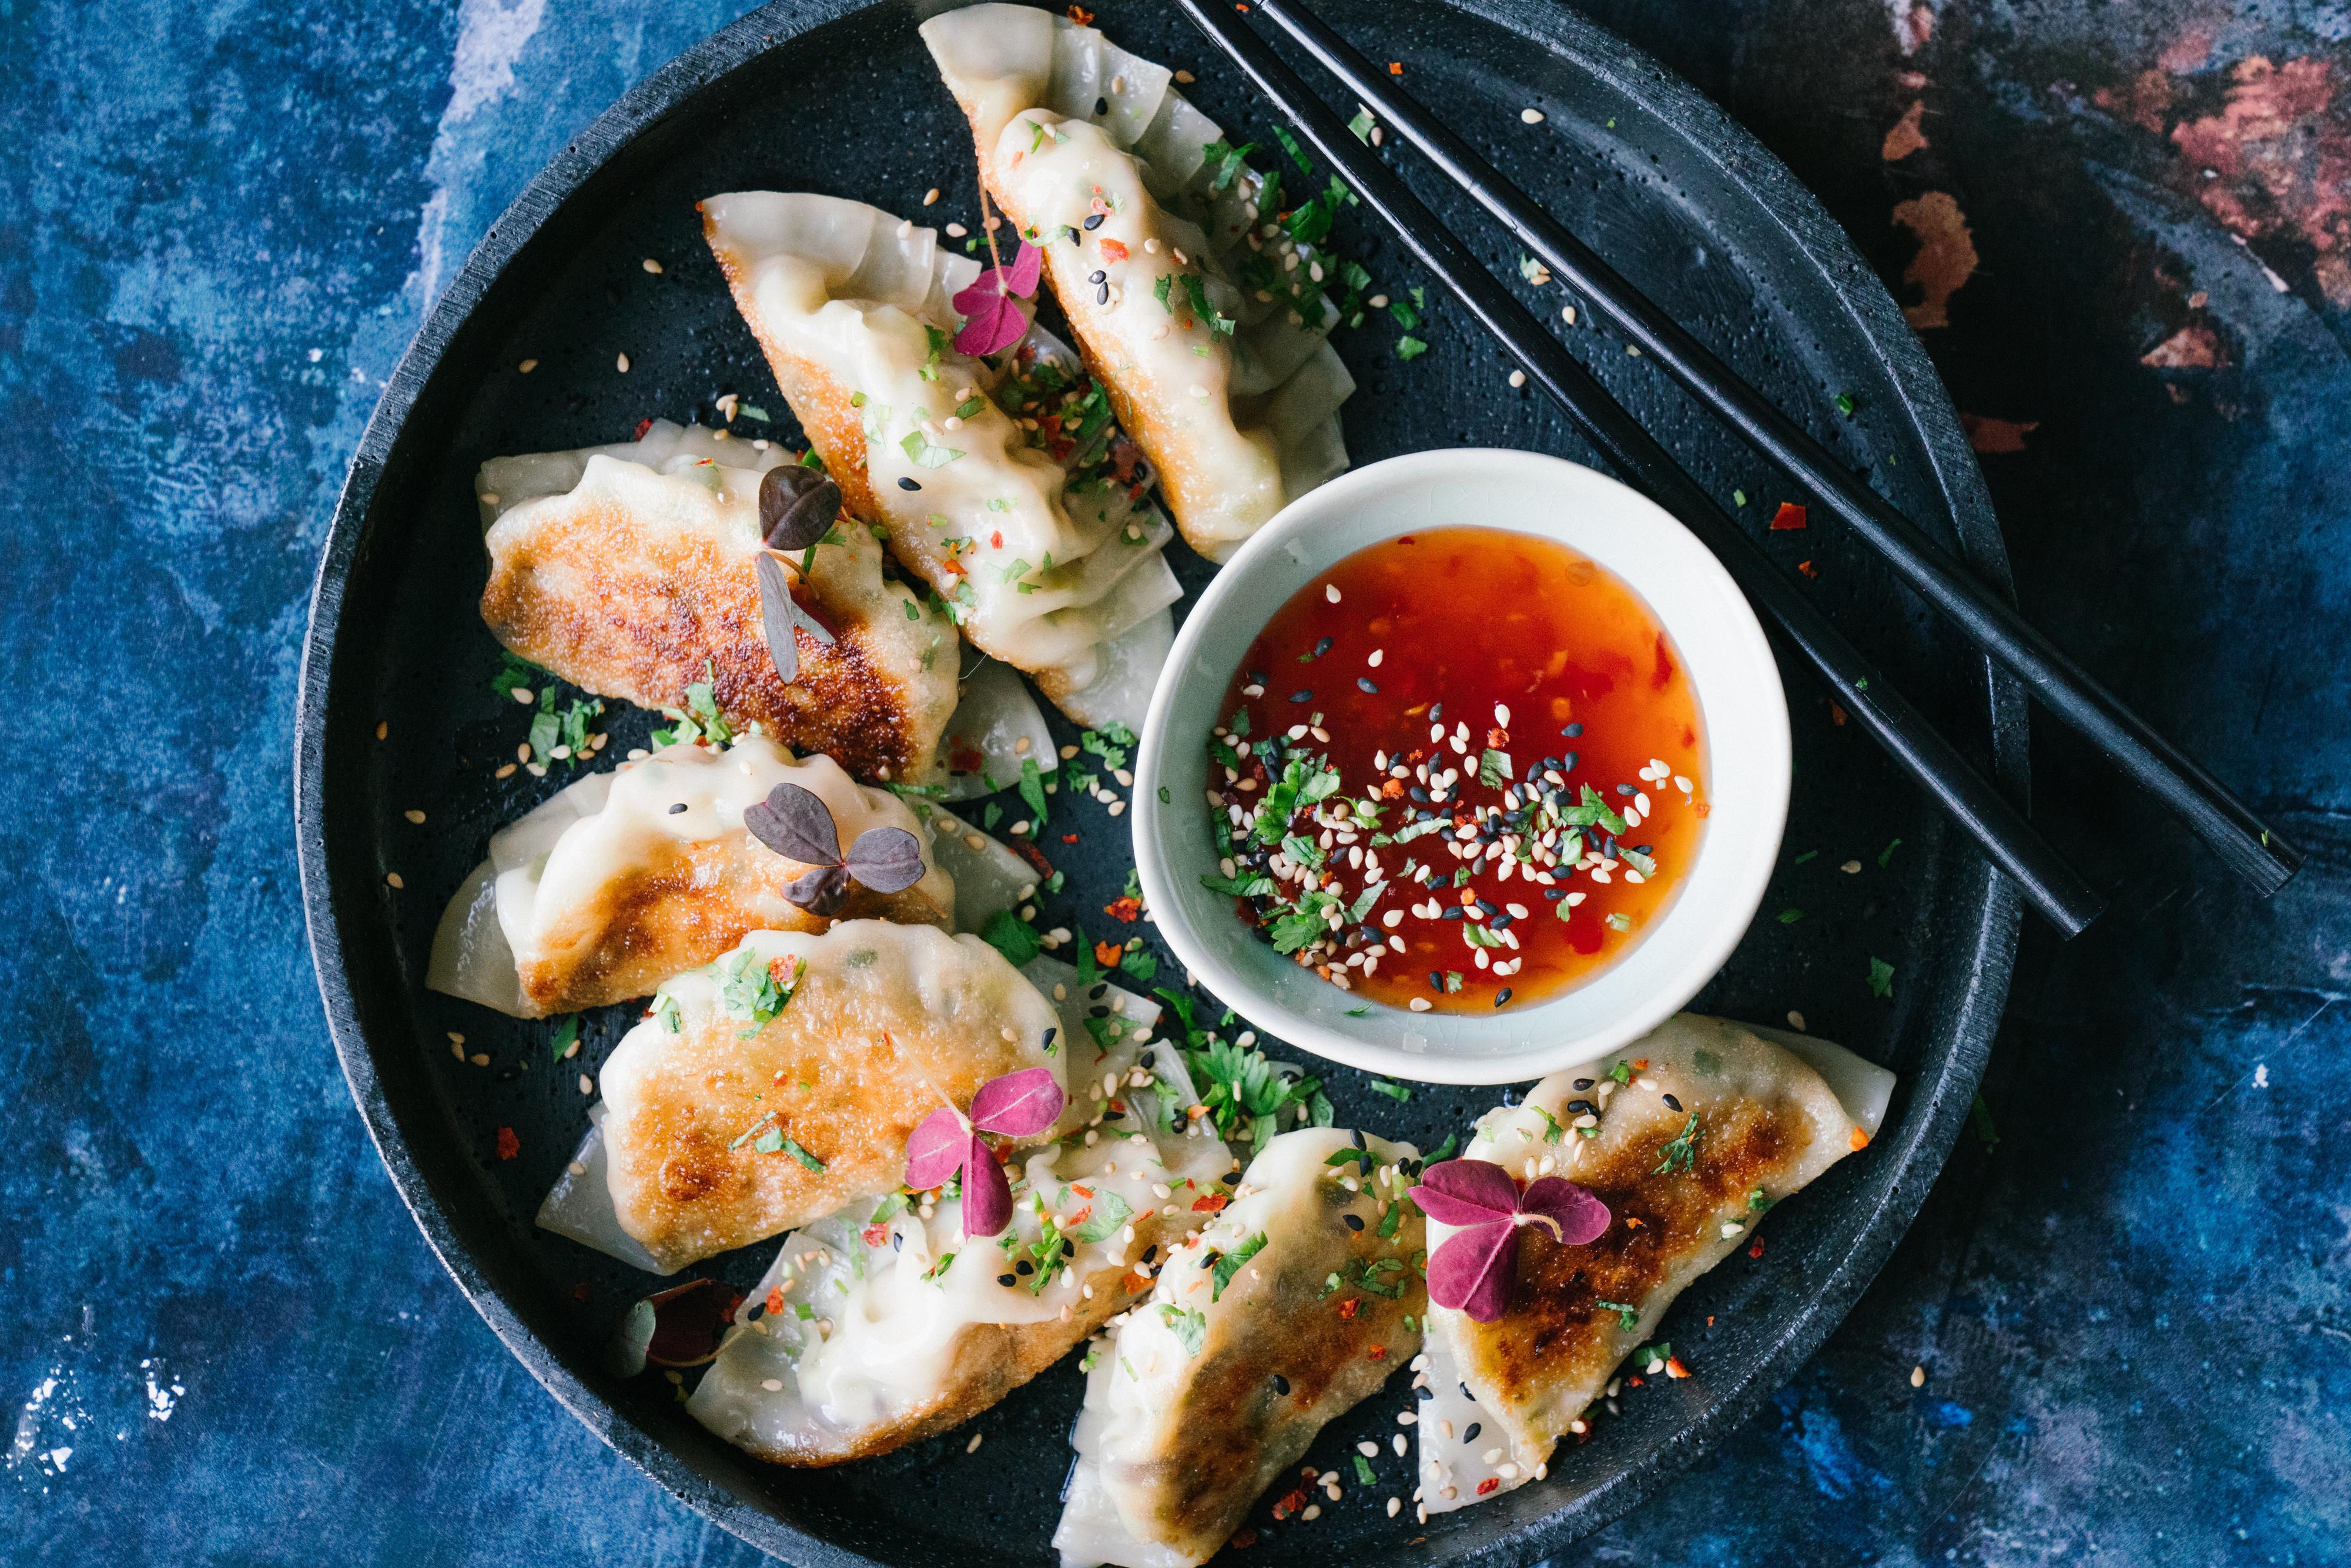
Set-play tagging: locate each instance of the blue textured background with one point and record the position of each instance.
(222, 1340)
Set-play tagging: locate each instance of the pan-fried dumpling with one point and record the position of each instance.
(781, 1082)
(624, 879)
(1762, 1113)
(1246, 1350)
(1206, 326)
(629, 570)
(878, 1327)
(1058, 573)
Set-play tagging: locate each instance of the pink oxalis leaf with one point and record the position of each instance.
(986, 1196)
(1018, 1104)
(1472, 1269)
(936, 1149)
(994, 320)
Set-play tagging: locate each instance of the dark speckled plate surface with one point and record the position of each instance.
(839, 97)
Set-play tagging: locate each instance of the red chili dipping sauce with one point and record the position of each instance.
(1458, 770)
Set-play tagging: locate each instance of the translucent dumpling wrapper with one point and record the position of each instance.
(631, 571)
(780, 1083)
(1054, 568)
(878, 1327)
(1210, 339)
(608, 888)
(1772, 1111)
(990, 880)
(1218, 1385)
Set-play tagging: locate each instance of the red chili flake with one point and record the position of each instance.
(1107, 954)
(1804, 568)
(1079, 1218)
(1243, 1541)
(1134, 1283)
(1291, 1501)
(876, 1235)
(1081, 1191)
(775, 1301)
(1378, 1352)
(1756, 1250)
(1069, 838)
(1633, 1381)
(1396, 68)
(579, 1291)
(1674, 1367)
(1034, 856)
(1126, 911)
(1081, 16)
(1210, 1204)
(1837, 715)
(1112, 251)
(1497, 737)
(1788, 519)
(997, 539)
(642, 425)
(963, 756)
(509, 1145)
(1488, 1484)
(1632, 1223)
(1391, 791)
(1347, 1308)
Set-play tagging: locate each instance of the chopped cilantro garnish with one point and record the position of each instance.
(1627, 1318)
(1880, 977)
(1012, 937)
(1396, 1092)
(1190, 1324)
(1109, 1212)
(1221, 1273)
(1682, 1153)
(1409, 348)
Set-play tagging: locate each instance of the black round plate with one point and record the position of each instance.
(397, 712)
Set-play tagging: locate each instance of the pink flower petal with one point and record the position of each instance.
(1580, 1217)
(936, 1148)
(994, 327)
(986, 1196)
(1474, 1269)
(1466, 1192)
(1018, 1104)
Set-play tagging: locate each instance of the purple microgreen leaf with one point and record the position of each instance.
(1466, 1192)
(778, 619)
(821, 892)
(1025, 272)
(797, 506)
(1018, 1104)
(986, 1196)
(1472, 1269)
(887, 859)
(936, 1150)
(797, 824)
(994, 324)
(1572, 1215)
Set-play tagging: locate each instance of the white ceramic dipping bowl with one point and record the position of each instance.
(1742, 708)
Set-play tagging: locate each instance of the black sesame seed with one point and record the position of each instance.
(897, 1241)
(1364, 682)
(1467, 1395)
(1006, 1280)
(1096, 277)
(1554, 893)
(1567, 763)
(1113, 1115)
(1420, 794)
(1151, 1251)
(1582, 1083)
(1068, 1248)
(1095, 995)
(1024, 1266)
(1489, 907)
(1281, 1385)
(1643, 849)
(1455, 913)
(1102, 106)
(1075, 238)
(1101, 295)
(1257, 679)
(1094, 222)
(1150, 1058)
(1306, 695)
(1474, 1427)
(1502, 996)
(1358, 1137)
(1626, 790)
(1583, 1107)
(1436, 981)
(1435, 712)
(1572, 731)
(673, 811)
(1048, 1038)
(1354, 1221)
(1672, 1104)
(1322, 648)
(904, 483)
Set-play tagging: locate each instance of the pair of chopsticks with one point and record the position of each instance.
(2247, 844)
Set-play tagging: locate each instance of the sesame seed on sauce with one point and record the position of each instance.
(1400, 835)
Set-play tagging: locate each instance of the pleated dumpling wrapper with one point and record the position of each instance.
(1056, 570)
(1218, 1385)
(631, 571)
(1762, 1114)
(1211, 338)
(781, 1082)
(620, 881)
(877, 1328)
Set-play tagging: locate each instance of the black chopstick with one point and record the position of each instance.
(2052, 886)
(2243, 840)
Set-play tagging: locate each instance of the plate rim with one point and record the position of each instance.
(1922, 1140)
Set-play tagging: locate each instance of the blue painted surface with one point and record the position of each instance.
(220, 1339)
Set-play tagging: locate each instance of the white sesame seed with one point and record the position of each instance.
(957, 231)
(1368, 1449)
(621, 363)
(1531, 116)
(931, 196)
(1567, 312)
(652, 266)
(973, 1447)
(1330, 592)
(528, 366)
(1419, 1004)
(1795, 1020)
(1518, 378)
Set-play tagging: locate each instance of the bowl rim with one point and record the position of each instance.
(338, 893)
(1742, 711)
